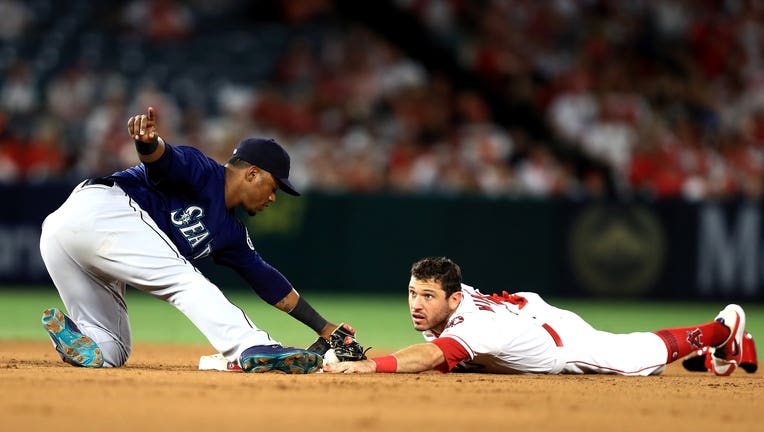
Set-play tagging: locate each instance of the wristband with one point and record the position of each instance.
(146, 148)
(386, 363)
(305, 313)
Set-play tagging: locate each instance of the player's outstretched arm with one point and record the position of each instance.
(363, 366)
(299, 308)
(143, 129)
(340, 338)
(415, 358)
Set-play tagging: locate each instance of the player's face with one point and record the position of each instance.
(260, 191)
(429, 307)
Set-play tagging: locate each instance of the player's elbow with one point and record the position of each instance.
(420, 358)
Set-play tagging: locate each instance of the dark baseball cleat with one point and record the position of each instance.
(275, 358)
(696, 360)
(72, 346)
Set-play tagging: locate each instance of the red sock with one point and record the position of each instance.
(684, 340)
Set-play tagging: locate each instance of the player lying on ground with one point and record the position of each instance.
(145, 226)
(521, 333)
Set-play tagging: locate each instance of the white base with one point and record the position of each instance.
(219, 363)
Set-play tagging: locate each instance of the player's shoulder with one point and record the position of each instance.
(469, 289)
(193, 152)
(196, 164)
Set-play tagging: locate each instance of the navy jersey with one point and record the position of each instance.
(184, 192)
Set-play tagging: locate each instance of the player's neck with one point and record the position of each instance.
(231, 196)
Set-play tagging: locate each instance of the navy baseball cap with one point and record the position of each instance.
(267, 154)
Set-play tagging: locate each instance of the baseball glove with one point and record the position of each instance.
(344, 344)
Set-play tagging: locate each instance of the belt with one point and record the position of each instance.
(105, 181)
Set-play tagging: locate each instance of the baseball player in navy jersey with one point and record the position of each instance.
(466, 330)
(145, 226)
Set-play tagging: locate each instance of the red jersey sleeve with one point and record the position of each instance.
(454, 352)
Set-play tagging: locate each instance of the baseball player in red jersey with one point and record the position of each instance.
(466, 330)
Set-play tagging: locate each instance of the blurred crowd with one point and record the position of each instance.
(657, 99)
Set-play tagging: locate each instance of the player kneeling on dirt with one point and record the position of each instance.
(144, 227)
(466, 330)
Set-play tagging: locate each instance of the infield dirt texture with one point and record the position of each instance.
(160, 389)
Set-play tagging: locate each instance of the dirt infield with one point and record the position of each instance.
(160, 389)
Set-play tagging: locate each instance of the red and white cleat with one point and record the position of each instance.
(728, 355)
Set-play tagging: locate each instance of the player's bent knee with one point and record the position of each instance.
(114, 354)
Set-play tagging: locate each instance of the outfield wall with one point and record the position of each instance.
(365, 243)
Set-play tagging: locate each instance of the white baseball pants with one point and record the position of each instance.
(588, 350)
(98, 241)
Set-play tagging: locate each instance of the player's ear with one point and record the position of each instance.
(455, 298)
(252, 173)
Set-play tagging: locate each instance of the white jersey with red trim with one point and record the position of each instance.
(521, 333)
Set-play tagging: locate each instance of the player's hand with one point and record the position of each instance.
(362, 366)
(143, 127)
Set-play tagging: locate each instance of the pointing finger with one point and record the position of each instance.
(151, 113)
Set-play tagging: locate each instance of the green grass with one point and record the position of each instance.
(381, 321)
